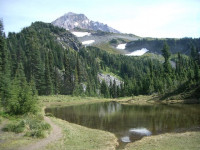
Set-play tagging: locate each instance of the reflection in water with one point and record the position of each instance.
(131, 122)
(126, 139)
(110, 109)
(141, 131)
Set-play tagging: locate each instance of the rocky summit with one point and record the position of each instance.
(71, 20)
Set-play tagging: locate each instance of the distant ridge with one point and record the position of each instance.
(72, 20)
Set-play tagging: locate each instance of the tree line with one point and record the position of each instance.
(34, 62)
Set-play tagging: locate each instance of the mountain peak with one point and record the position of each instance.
(72, 20)
(70, 13)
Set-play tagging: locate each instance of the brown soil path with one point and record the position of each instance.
(55, 134)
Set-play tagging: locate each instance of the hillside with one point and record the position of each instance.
(58, 63)
(132, 45)
(103, 40)
(106, 38)
(183, 45)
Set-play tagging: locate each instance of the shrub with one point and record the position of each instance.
(49, 114)
(36, 134)
(9, 128)
(32, 125)
(14, 127)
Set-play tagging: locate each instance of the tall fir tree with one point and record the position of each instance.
(104, 89)
(23, 96)
(34, 66)
(114, 89)
(4, 69)
(166, 54)
(52, 70)
(68, 86)
(47, 77)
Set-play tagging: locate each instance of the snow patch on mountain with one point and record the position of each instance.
(88, 42)
(138, 52)
(121, 46)
(81, 34)
(76, 24)
(71, 20)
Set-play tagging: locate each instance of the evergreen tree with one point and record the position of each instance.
(4, 69)
(88, 89)
(78, 89)
(114, 89)
(78, 69)
(58, 81)
(52, 70)
(23, 97)
(48, 82)
(196, 72)
(104, 89)
(166, 54)
(34, 66)
(194, 53)
(68, 88)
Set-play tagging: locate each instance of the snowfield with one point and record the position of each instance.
(138, 52)
(81, 34)
(121, 46)
(76, 24)
(88, 42)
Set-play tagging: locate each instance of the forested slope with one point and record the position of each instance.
(53, 61)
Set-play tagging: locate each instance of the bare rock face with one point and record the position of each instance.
(71, 20)
(68, 40)
(109, 79)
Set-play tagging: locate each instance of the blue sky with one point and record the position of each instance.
(150, 18)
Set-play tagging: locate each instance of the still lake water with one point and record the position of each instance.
(131, 122)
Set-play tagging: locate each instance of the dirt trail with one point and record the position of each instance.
(55, 134)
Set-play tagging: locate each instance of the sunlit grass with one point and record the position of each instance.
(30, 125)
(172, 141)
(79, 137)
(108, 48)
(66, 100)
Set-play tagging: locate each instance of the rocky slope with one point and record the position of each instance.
(104, 40)
(155, 45)
(71, 20)
(109, 79)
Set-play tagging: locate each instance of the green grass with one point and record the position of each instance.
(14, 127)
(11, 140)
(66, 100)
(108, 48)
(30, 125)
(1, 119)
(79, 137)
(76, 137)
(168, 141)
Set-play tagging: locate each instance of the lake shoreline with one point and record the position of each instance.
(178, 141)
(153, 100)
(104, 139)
(136, 100)
(62, 100)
